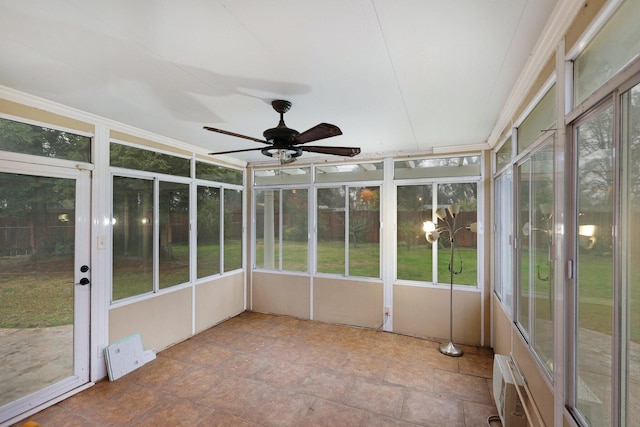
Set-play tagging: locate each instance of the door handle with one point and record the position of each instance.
(84, 281)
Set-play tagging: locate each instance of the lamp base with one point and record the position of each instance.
(450, 349)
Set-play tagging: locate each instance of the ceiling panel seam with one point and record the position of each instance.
(395, 75)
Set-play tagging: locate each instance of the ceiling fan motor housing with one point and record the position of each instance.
(280, 135)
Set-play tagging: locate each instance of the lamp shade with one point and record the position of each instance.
(473, 227)
(441, 213)
(454, 210)
(432, 236)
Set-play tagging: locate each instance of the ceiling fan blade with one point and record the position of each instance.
(226, 132)
(336, 151)
(321, 131)
(235, 151)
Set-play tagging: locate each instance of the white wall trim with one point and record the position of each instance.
(560, 20)
(54, 107)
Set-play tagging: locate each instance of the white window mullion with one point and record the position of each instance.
(530, 260)
(347, 210)
(156, 235)
(280, 233)
(221, 233)
(434, 245)
(311, 226)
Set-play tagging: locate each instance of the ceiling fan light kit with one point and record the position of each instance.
(285, 143)
(284, 155)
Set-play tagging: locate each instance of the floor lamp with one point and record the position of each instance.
(433, 233)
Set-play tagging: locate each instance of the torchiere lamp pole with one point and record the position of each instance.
(432, 233)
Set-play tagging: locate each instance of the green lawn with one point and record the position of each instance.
(35, 294)
(133, 276)
(38, 295)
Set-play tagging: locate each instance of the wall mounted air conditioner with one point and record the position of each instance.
(505, 394)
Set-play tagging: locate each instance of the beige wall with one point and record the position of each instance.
(540, 390)
(348, 301)
(218, 300)
(335, 300)
(508, 341)
(502, 333)
(281, 294)
(424, 312)
(161, 321)
(584, 18)
(166, 319)
(47, 117)
(121, 136)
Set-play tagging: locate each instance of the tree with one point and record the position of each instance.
(41, 141)
(28, 199)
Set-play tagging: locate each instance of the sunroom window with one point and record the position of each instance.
(151, 220)
(423, 186)
(282, 229)
(24, 138)
(349, 230)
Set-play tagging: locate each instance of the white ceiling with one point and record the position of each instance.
(397, 76)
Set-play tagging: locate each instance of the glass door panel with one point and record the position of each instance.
(631, 251)
(523, 260)
(541, 267)
(595, 261)
(44, 301)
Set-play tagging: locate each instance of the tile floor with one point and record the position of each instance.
(265, 370)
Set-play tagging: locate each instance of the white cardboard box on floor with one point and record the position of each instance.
(125, 356)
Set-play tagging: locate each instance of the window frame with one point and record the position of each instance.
(279, 268)
(504, 293)
(193, 184)
(347, 209)
(155, 179)
(434, 182)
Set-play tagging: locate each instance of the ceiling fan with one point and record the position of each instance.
(286, 144)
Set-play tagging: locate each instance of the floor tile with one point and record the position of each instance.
(476, 414)
(244, 364)
(267, 370)
(285, 349)
(481, 366)
(157, 372)
(194, 384)
(362, 365)
(431, 410)
(325, 357)
(384, 399)
(284, 375)
(235, 395)
(414, 375)
(327, 384)
(58, 416)
(460, 386)
(330, 414)
(174, 412)
(124, 409)
(211, 355)
(222, 419)
(279, 408)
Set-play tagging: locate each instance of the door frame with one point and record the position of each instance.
(80, 379)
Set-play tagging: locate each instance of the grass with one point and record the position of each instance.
(41, 295)
(134, 276)
(34, 295)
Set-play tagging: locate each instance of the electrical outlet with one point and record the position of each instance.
(387, 311)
